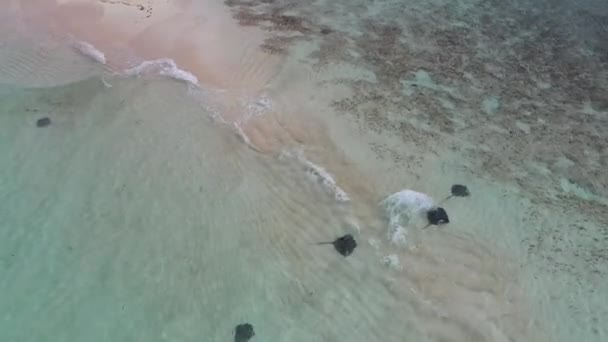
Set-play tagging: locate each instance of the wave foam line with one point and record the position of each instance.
(254, 107)
(319, 173)
(243, 136)
(168, 67)
(165, 67)
(89, 50)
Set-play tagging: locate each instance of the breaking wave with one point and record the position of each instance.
(318, 173)
(255, 106)
(90, 51)
(164, 67)
(252, 106)
(400, 208)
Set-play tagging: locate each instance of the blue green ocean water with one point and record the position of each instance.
(143, 212)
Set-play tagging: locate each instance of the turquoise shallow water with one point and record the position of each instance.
(137, 215)
(106, 236)
(124, 222)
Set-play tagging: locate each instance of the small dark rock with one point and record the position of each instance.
(243, 332)
(437, 216)
(43, 122)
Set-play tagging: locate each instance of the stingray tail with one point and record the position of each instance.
(445, 199)
(324, 243)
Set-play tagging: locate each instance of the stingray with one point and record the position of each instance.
(345, 245)
(43, 122)
(243, 332)
(458, 190)
(437, 216)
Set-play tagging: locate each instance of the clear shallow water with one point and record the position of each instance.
(138, 225)
(139, 215)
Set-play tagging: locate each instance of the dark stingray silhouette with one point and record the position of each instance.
(43, 122)
(243, 332)
(345, 245)
(458, 190)
(437, 216)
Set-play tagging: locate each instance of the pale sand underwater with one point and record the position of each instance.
(190, 166)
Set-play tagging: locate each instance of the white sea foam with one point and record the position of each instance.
(90, 51)
(404, 204)
(204, 97)
(255, 106)
(103, 80)
(397, 235)
(162, 66)
(318, 173)
(168, 67)
(400, 208)
(392, 261)
(374, 243)
(244, 137)
(165, 67)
